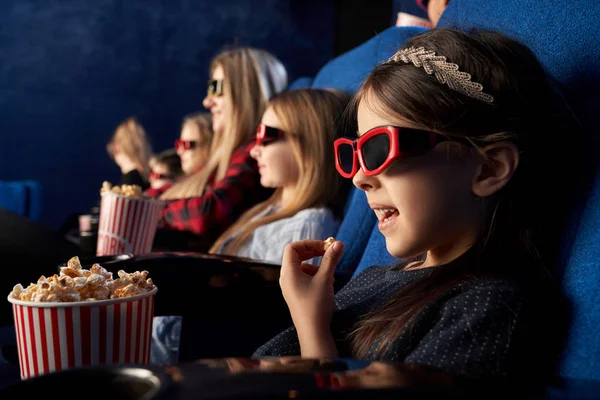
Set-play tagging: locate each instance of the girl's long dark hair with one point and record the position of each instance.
(528, 216)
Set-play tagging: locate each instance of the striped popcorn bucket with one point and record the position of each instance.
(127, 224)
(58, 336)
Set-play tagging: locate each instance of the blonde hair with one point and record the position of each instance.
(311, 121)
(251, 77)
(202, 121)
(131, 139)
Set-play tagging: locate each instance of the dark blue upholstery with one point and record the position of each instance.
(347, 71)
(301, 83)
(375, 253)
(566, 39)
(355, 230)
(22, 197)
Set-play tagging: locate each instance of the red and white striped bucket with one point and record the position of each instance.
(127, 224)
(58, 336)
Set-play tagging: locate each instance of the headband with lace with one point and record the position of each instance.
(445, 72)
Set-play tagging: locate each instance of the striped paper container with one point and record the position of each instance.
(127, 224)
(58, 336)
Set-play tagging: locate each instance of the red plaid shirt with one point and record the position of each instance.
(155, 193)
(221, 203)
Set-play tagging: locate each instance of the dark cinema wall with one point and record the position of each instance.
(70, 71)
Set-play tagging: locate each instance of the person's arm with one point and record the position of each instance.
(133, 177)
(308, 292)
(221, 204)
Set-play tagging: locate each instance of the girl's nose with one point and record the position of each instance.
(364, 182)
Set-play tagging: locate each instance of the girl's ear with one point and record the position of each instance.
(498, 163)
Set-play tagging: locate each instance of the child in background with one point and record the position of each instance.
(293, 145)
(166, 169)
(193, 146)
(130, 149)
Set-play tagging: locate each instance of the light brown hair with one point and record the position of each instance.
(203, 122)
(131, 139)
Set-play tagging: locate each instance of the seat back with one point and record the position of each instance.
(22, 197)
(355, 230)
(375, 252)
(301, 83)
(347, 72)
(565, 38)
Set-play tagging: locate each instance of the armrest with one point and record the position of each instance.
(230, 305)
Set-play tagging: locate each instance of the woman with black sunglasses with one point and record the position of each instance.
(205, 204)
(461, 150)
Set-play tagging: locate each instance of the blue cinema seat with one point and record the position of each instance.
(22, 197)
(301, 83)
(347, 71)
(566, 39)
(375, 253)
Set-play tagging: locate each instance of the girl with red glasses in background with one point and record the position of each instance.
(166, 169)
(461, 151)
(193, 146)
(192, 150)
(293, 152)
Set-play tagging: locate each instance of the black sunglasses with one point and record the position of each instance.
(215, 87)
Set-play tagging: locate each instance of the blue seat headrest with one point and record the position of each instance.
(565, 37)
(347, 71)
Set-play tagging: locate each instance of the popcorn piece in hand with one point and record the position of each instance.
(328, 242)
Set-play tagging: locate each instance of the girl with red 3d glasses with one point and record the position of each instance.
(461, 145)
(293, 151)
(192, 150)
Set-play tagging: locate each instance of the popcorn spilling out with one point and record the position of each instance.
(124, 190)
(77, 284)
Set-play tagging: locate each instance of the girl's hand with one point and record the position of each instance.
(307, 289)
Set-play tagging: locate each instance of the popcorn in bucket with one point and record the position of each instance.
(83, 318)
(128, 220)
